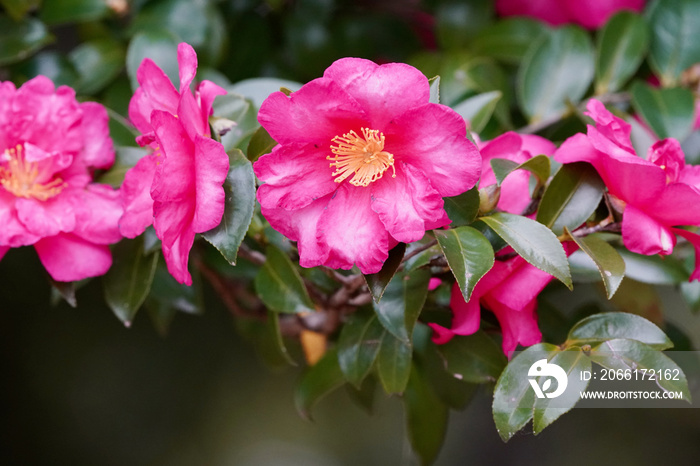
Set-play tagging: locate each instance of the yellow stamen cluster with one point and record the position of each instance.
(19, 177)
(361, 157)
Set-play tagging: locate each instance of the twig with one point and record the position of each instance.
(418, 250)
(252, 255)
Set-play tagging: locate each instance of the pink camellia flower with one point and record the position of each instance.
(591, 15)
(178, 187)
(363, 162)
(654, 194)
(49, 145)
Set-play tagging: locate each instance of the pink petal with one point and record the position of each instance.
(3, 251)
(68, 258)
(98, 213)
(611, 127)
(383, 91)
(433, 283)
(98, 151)
(518, 326)
(593, 15)
(50, 217)
(13, 232)
(552, 12)
(177, 251)
(441, 335)
(174, 180)
(207, 92)
(433, 139)
(156, 93)
(211, 168)
(537, 145)
(466, 315)
(678, 204)
(694, 239)
(521, 286)
(295, 175)
(643, 234)
(407, 205)
(187, 61)
(136, 197)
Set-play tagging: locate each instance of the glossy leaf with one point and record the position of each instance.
(18, 40)
(557, 69)
(473, 358)
(654, 270)
(97, 62)
(469, 255)
(261, 143)
(128, 281)
(377, 282)
(316, 382)
(620, 48)
(533, 242)
(463, 209)
(358, 346)
(159, 46)
(674, 46)
(571, 197)
(279, 285)
(538, 166)
(615, 325)
(608, 261)
(669, 112)
(394, 363)
(508, 39)
(402, 302)
(477, 110)
(238, 209)
(72, 11)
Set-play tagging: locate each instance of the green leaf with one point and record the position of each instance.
(426, 416)
(168, 293)
(17, 9)
(237, 108)
(674, 46)
(424, 257)
(509, 39)
(259, 89)
(261, 143)
(463, 209)
(19, 40)
(615, 325)
(72, 11)
(620, 48)
(691, 294)
(548, 410)
(539, 166)
(394, 363)
(377, 282)
(477, 110)
(533, 242)
(469, 255)
(316, 382)
(280, 286)
(571, 197)
(358, 346)
(238, 208)
(98, 62)
(631, 354)
(51, 64)
(128, 281)
(655, 270)
(159, 46)
(557, 69)
(363, 396)
(434, 90)
(63, 290)
(473, 358)
(513, 397)
(669, 112)
(402, 302)
(125, 158)
(609, 262)
(273, 319)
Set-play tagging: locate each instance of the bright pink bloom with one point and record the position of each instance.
(589, 14)
(515, 191)
(49, 146)
(654, 195)
(178, 187)
(363, 162)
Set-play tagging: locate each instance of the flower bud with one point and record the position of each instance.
(488, 198)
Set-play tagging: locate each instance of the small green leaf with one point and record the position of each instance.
(538, 166)
(97, 62)
(377, 282)
(316, 382)
(434, 90)
(128, 281)
(631, 354)
(473, 358)
(477, 110)
(609, 262)
(72, 11)
(238, 208)
(655, 270)
(557, 70)
(615, 325)
(669, 112)
(620, 48)
(426, 416)
(571, 197)
(280, 286)
(402, 302)
(462, 209)
(64, 290)
(158, 45)
(19, 40)
(358, 346)
(469, 255)
(394, 363)
(508, 39)
(261, 143)
(533, 242)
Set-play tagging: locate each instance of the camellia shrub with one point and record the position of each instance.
(406, 202)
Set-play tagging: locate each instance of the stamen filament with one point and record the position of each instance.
(19, 177)
(360, 157)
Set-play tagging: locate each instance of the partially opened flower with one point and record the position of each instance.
(363, 162)
(178, 187)
(591, 15)
(49, 146)
(654, 194)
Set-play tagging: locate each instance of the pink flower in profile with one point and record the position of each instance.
(363, 162)
(591, 15)
(178, 187)
(654, 194)
(49, 146)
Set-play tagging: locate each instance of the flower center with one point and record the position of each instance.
(19, 177)
(361, 157)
